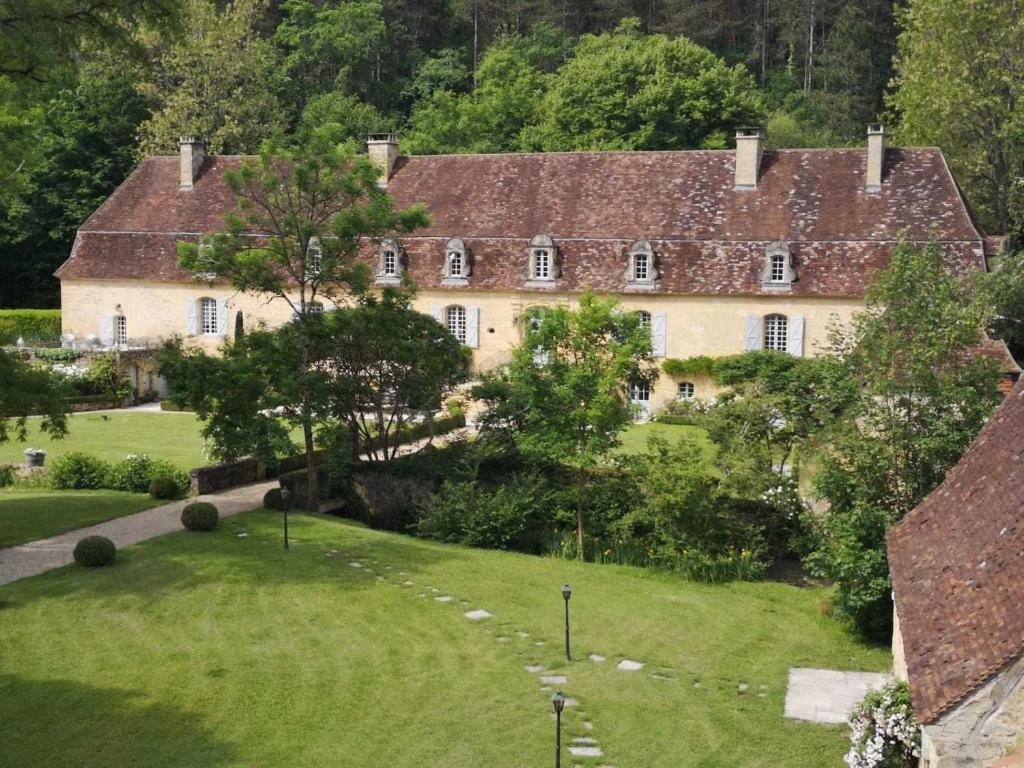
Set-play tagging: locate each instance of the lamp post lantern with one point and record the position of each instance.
(558, 702)
(567, 593)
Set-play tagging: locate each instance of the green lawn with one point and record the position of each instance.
(634, 437)
(111, 436)
(214, 650)
(27, 514)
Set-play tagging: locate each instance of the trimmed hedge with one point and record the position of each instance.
(30, 324)
(164, 487)
(95, 552)
(200, 516)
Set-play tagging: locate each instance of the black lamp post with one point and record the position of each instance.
(286, 501)
(567, 593)
(558, 702)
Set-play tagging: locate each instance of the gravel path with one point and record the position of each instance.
(46, 554)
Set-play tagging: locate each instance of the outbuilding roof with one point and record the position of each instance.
(957, 564)
(708, 236)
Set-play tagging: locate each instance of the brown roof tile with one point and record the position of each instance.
(957, 562)
(709, 237)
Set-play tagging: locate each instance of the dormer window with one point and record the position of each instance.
(641, 270)
(543, 260)
(204, 271)
(777, 273)
(314, 259)
(456, 263)
(389, 262)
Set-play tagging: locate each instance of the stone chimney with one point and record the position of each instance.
(749, 148)
(876, 157)
(192, 152)
(383, 150)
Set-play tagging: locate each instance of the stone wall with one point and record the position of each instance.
(983, 728)
(221, 476)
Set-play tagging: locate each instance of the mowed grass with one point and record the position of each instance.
(27, 514)
(215, 650)
(112, 436)
(634, 437)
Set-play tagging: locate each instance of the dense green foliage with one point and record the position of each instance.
(26, 390)
(883, 732)
(136, 473)
(95, 552)
(200, 516)
(29, 324)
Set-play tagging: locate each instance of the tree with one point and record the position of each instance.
(626, 90)
(218, 82)
(921, 398)
(572, 376)
(959, 78)
(390, 366)
(315, 205)
(1005, 285)
(26, 391)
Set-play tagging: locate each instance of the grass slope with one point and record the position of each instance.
(111, 436)
(215, 650)
(634, 437)
(30, 514)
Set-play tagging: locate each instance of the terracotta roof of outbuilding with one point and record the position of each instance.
(957, 562)
(709, 238)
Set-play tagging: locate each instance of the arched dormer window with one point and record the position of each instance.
(543, 263)
(457, 266)
(642, 269)
(389, 261)
(777, 273)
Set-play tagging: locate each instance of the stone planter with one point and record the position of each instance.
(34, 457)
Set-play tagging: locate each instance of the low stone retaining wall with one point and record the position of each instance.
(221, 476)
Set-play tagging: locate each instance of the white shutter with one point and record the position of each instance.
(796, 336)
(659, 332)
(436, 312)
(222, 317)
(192, 317)
(107, 330)
(753, 340)
(473, 327)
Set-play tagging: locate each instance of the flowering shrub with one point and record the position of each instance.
(137, 471)
(882, 730)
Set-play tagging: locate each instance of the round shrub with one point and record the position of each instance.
(200, 516)
(274, 499)
(78, 470)
(95, 552)
(164, 487)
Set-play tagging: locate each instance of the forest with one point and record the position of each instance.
(88, 87)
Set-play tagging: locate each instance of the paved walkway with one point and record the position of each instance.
(827, 695)
(46, 554)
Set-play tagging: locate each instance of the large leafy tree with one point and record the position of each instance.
(390, 366)
(627, 90)
(921, 398)
(959, 78)
(315, 206)
(570, 380)
(27, 391)
(218, 81)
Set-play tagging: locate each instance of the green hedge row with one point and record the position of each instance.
(30, 324)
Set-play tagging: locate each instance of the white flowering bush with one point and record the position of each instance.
(882, 730)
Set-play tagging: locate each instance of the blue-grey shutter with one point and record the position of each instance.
(191, 317)
(222, 317)
(659, 333)
(473, 327)
(754, 338)
(436, 312)
(107, 330)
(796, 336)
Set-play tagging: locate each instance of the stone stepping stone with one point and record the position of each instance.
(533, 669)
(587, 725)
(402, 573)
(354, 564)
(658, 676)
(380, 578)
(597, 658)
(522, 634)
(434, 589)
(584, 741)
(406, 583)
(539, 643)
(444, 598)
(628, 665)
(502, 639)
(553, 679)
(477, 614)
(243, 535)
(585, 751)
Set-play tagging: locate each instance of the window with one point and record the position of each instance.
(455, 264)
(315, 307)
(775, 328)
(777, 272)
(389, 263)
(314, 259)
(645, 319)
(456, 321)
(544, 264)
(208, 316)
(641, 264)
(685, 390)
(641, 269)
(778, 268)
(120, 330)
(640, 393)
(541, 264)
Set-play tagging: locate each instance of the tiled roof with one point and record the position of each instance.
(957, 562)
(709, 238)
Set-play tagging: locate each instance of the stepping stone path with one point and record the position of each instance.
(553, 679)
(826, 695)
(477, 614)
(444, 598)
(628, 665)
(596, 658)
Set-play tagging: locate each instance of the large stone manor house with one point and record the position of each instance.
(721, 251)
